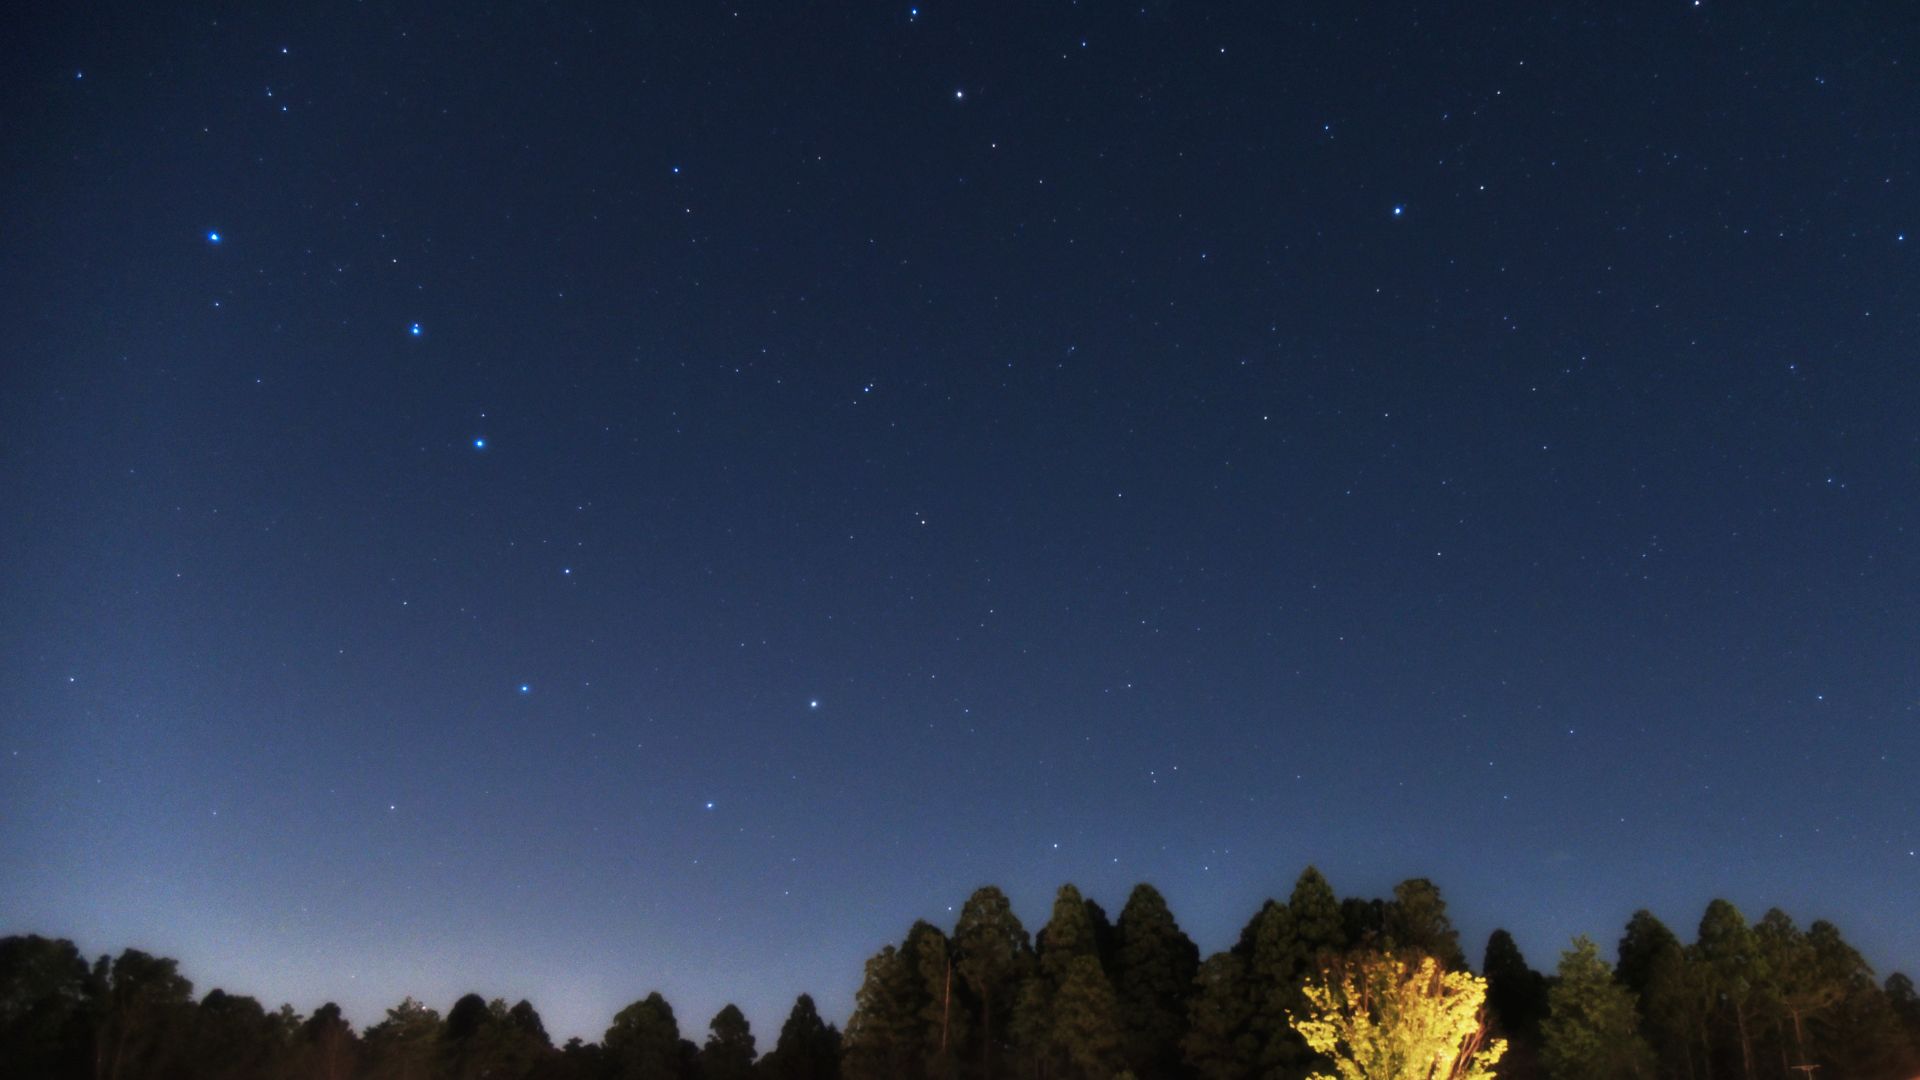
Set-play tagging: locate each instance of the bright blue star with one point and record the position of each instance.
(526, 688)
(1399, 210)
(213, 237)
(415, 329)
(814, 704)
(479, 444)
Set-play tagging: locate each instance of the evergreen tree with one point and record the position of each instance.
(883, 1036)
(1317, 923)
(1904, 1003)
(1153, 979)
(1654, 965)
(1219, 1043)
(1085, 1030)
(943, 1018)
(729, 1052)
(992, 955)
(808, 1048)
(1363, 921)
(644, 1042)
(1516, 994)
(1592, 1028)
(1416, 919)
(1733, 973)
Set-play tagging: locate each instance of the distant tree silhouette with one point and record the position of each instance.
(729, 1052)
(1516, 994)
(644, 1042)
(808, 1049)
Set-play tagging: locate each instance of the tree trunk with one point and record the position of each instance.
(1746, 1044)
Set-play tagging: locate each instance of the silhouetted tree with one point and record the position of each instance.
(403, 1045)
(1153, 979)
(1655, 966)
(325, 1047)
(45, 1026)
(233, 1037)
(1219, 1044)
(644, 1042)
(808, 1049)
(1516, 994)
(729, 1052)
(1416, 920)
(146, 1013)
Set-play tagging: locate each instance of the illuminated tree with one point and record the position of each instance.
(1383, 1017)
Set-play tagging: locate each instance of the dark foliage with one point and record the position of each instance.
(1084, 999)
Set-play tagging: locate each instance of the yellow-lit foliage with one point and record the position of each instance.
(1382, 1017)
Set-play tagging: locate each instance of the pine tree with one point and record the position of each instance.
(992, 954)
(1592, 1028)
(808, 1048)
(1734, 974)
(1416, 919)
(942, 1014)
(883, 1035)
(1085, 1028)
(1654, 965)
(1516, 994)
(1219, 1044)
(1153, 980)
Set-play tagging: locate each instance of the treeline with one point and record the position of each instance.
(1084, 998)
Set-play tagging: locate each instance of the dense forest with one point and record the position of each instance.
(1315, 985)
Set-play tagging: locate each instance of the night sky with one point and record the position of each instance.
(564, 504)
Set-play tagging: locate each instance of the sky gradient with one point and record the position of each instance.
(570, 504)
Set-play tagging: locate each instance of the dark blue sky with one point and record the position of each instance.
(664, 499)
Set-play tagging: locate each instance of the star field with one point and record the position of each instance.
(572, 504)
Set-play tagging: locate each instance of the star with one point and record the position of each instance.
(414, 329)
(213, 237)
(479, 444)
(526, 688)
(1399, 210)
(814, 703)
(959, 95)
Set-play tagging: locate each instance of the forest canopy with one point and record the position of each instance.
(1316, 985)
